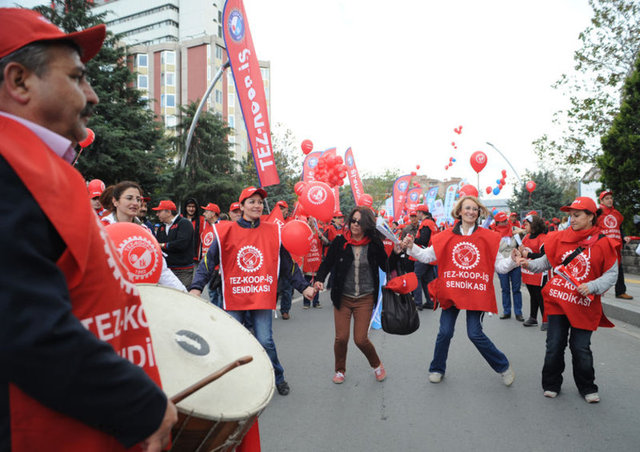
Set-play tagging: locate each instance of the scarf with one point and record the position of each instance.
(505, 230)
(351, 241)
(584, 238)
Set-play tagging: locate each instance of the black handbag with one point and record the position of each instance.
(399, 313)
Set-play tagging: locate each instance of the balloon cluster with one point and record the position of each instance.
(450, 164)
(500, 183)
(331, 170)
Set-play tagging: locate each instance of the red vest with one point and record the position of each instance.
(101, 297)
(334, 232)
(609, 223)
(560, 296)
(207, 235)
(528, 277)
(427, 223)
(312, 260)
(249, 264)
(465, 269)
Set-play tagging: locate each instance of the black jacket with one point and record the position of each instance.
(339, 259)
(179, 242)
(195, 222)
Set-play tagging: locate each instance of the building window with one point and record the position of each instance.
(219, 52)
(168, 57)
(143, 81)
(171, 120)
(232, 121)
(231, 99)
(171, 100)
(142, 60)
(264, 73)
(218, 96)
(170, 79)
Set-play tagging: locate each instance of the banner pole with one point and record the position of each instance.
(192, 128)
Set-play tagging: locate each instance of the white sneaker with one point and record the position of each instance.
(435, 377)
(508, 376)
(592, 398)
(551, 394)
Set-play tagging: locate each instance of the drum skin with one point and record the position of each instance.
(192, 339)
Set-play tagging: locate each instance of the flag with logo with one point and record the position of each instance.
(250, 88)
(449, 199)
(430, 197)
(309, 166)
(357, 189)
(400, 188)
(413, 198)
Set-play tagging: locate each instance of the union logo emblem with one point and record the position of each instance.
(317, 195)
(141, 256)
(250, 259)
(465, 255)
(480, 158)
(579, 265)
(610, 222)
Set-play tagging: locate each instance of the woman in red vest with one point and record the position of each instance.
(531, 248)
(311, 262)
(586, 266)
(467, 257)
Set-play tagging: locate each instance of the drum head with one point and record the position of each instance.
(192, 339)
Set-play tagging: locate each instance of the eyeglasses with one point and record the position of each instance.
(354, 221)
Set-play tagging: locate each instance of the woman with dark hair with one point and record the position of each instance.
(191, 213)
(354, 258)
(585, 266)
(467, 257)
(531, 248)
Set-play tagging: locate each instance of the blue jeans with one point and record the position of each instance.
(285, 290)
(215, 296)
(425, 274)
(496, 359)
(261, 320)
(510, 283)
(580, 346)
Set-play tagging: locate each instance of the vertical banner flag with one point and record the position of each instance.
(438, 213)
(400, 187)
(413, 197)
(388, 206)
(430, 197)
(354, 177)
(309, 166)
(449, 199)
(250, 88)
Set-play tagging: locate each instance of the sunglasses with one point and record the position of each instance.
(354, 221)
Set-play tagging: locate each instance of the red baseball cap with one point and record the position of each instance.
(501, 216)
(165, 205)
(605, 193)
(513, 214)
(413, 213)
(337, 214)
(250, 191)
(234, 206)
(211, 207)
(532, 212)
(422, 208)
(21, 27)
(95, 188)
(282, 204)
(581, 203)
(403, 284)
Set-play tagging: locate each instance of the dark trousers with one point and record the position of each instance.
(425, 273)
(620, 286)
(535, 296)
(185, 275)
(315, 300)
(581, 357)
(360, 309)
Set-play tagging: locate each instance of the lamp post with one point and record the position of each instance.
(506, 160)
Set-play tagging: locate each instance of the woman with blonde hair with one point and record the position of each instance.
(467, 257)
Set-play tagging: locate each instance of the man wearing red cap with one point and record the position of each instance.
(251, 258)
(95, 189)
(425, 272)
(211, 213)
(610, 223)
(64, 384)
(234, 212)
(175, 236)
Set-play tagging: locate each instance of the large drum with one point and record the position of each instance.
(191, 340)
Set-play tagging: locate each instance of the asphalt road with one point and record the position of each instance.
(470, 410)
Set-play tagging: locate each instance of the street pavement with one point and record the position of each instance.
(470, 410)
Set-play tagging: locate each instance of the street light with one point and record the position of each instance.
(506, 160)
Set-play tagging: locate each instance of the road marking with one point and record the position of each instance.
(635, 281)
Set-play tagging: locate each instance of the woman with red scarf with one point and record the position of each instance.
(586, 266)
(354, 258)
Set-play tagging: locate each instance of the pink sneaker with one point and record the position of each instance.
(338, 378)
(381, 374)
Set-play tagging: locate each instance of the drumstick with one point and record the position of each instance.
(210, 378)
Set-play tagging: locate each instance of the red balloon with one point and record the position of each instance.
(417, 166)
(139, 250)
(468, 190)
(298, 187)
(87, 141)
(413, 173)
(365, 200)
(504, 173)
(307, 146)
(488, 190)
(503, 181)
(446, 167)
(531, 185)
(318, 200)
(382, 212)
(478, 161)
(297, 237)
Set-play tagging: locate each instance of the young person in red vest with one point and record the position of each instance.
(65, 385)
(235, 212)
(425, 272)
(513, 219)
(531, 248)
(211, 213)
(467, 257)
(251, 257)
(610, 223)
(586, 266)
(311, 262)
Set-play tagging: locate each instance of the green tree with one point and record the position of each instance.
(210, 174)
(380, 186)
(130, 143)
(620, 161)
(550, 194)
(609, 48)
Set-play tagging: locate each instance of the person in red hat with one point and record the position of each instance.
(425, 272)
(211, 214)
(466, 264)
(63, 284)
(251, 257)
(610, 223)
(191, 213)
(175, 236)
(513, 219)
(511, 281)
(585, 266)
(95, 189)
(235, 212)
(284, 208)
(531, 248)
